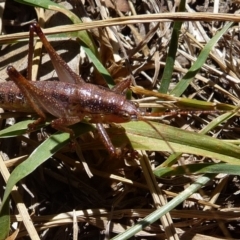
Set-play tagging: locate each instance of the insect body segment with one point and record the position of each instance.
(11, 98)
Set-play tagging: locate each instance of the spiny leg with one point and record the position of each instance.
(121, 86)
(106, 140)
(62, 123)
(30, 54)
(27, 89)
(64, 72)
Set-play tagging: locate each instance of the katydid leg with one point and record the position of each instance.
(30, 54)
(122, 86)
(106, 139)
(26, 87)
(64, 72)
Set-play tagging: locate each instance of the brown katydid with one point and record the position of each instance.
(69, 100)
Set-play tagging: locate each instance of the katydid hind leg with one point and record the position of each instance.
(64, 72)
(30, 54)
(28, 91)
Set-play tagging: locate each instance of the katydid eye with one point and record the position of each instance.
(136, 104)
(125, 115)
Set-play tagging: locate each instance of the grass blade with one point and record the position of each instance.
(199, 168)
(160, 137)
(168, 70)
(39, 156)
(189, 76)
(153, 217)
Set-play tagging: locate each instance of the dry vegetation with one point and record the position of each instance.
(62, 200)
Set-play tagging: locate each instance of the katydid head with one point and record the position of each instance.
(126, 112)
(129, 111)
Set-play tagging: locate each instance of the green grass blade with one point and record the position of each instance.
(189, 76)
(46, 4)
(168, 70)
(217, 121)
(199, 168)
(160, 137)
(17, 129)
(153, 217)
(39, 156)
(4, 221)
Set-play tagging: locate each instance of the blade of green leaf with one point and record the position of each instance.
(189, 76)
(4, 221)
(153, 217)
(168, 70)
(160, 137)
(46, 4)
(39, 155)
(17, 129)
(199, 168)
(216, 122)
